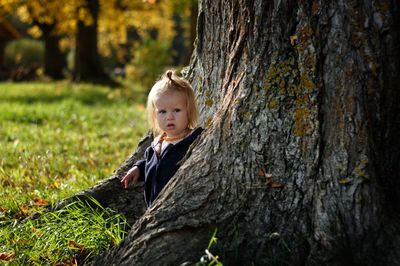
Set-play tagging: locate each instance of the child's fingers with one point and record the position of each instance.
(132, 175)
(125, 181)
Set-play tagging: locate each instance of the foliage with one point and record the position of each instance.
(59, 138)
(157, 29)
(150, 60)
(152, 22)
(73, 234)
(115, 18)
(26, 52)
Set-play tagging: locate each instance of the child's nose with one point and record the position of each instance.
(170, 116)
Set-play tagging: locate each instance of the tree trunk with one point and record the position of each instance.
(194, 9)
(54, 59)
(87, 65)
(299, 162)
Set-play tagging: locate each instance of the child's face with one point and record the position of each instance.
(171, 113)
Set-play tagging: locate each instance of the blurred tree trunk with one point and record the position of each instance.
(178, 50)
(54, 58)
(87, 65)
(194, 9)
(183, 43)
(299, 164)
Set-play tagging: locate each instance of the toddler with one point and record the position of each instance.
(172, 114)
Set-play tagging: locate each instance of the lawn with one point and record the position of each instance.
(56, 139)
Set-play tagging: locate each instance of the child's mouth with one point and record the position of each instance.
(170, 126)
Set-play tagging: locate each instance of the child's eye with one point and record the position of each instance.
(177, 110)
(161, 112)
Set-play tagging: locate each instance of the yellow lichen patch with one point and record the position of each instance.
(291, 83)
(301, 122)
(282, 84)
(359, 170)
(273, 104)
(209, 102)
(272, 72)
(307, 83)
(256, 90)
(281, 74)
(293, 90)
(246, 114)
(293, 39)
(344, 181)
(306, 31)
(302, 101)
(311, 62)
(208, 122)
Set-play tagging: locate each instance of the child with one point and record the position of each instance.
(172, 113)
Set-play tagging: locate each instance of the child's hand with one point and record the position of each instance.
(132, 175)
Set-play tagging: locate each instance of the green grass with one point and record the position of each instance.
(57, 139)
(74, 234)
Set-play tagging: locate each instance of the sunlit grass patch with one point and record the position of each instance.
(72, 235)
(57, 139)
(53, 148)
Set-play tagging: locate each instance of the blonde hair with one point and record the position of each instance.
(170, 82)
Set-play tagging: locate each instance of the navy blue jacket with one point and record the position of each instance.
(157, 170)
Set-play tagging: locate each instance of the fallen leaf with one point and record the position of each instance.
(40, 202)
(7, 255)
(276, 185)
(73, 244)
(271, 183)
(70, 262)
(91, 163)
(80, 250)
(269, 179)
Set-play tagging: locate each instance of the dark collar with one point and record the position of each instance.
(188, 139)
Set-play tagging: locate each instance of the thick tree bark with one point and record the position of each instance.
(87, 65)
(299, 162)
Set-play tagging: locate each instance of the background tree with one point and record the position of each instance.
(299, 163)
(98, 29)
(51, 22)
(185, 18)
(87, 65)
(154, 27)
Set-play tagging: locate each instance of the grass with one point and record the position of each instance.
(57, 139)
(69, 236)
